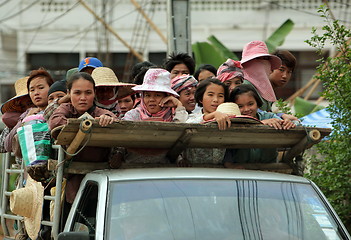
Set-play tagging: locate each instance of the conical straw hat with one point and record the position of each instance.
(105, 77)
(28, 202)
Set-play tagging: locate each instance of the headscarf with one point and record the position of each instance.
(257, 72)
(165, 115)
(230, 69)
(110, 104)
(183, 82)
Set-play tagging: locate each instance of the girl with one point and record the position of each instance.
(157, 100)
(249, 102)
(81, 88)
(209, 94)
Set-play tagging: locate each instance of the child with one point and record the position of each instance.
(185, 86)
(209, 94)
(157, 100)
(125, 104)
(231, 73)
(249, 102)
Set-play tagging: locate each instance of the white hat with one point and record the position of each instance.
(156, 80)
(28, 202)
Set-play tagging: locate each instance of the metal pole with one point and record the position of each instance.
(57, 203)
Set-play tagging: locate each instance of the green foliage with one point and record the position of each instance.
(278, 36)
(332, 174)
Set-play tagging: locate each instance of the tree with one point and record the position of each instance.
(333, 173)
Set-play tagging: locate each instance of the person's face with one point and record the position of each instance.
(233, 82)
(104, 93)
(152, 101)
(247, 104)
(38, 92)
(125, 104)
(179, 70)
(280, 77)
(56, 95)
(82, 95)
(204, 74)
(213, 96)
(187, 98)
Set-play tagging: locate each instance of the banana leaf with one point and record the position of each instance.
(278, 36)
(221, 48)
(206, 53)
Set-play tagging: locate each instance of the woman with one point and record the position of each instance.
(231, 74)
(81, 88)
(38, 85)
(258, 65)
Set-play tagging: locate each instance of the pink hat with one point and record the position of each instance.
(156, 80)
(257, 49)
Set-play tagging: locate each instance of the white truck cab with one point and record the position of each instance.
(200, 203)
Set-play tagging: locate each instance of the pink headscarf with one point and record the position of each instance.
(165, 115)
(257, 72)
(230, 69)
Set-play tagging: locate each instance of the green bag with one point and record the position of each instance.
(35, 143)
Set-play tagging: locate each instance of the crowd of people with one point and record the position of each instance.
(174, 92)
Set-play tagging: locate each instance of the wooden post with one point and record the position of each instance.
(311, 91)
(313, 137)
(180, 145)
(152, 24)
(85, 126)
(110, 29)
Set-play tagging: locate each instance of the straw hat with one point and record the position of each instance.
(257, 49)
(105, 77)
(232, 109)
(21, 92)
(156, 80)
(229, 108)
(28, 202)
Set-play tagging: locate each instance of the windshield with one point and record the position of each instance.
(217, 209)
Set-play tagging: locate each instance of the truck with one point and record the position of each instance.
(206, 201)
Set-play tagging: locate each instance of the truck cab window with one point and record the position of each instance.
(85, 215)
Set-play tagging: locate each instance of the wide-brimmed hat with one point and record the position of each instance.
(232, 109)
(105, 77)
(257, 49)
(89, 62)
(21, 92)
(156, 80)
(28, 202)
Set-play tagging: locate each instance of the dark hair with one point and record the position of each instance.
(201, 89)
(207, 67)
(245, 88)
(40, 72)
(175, 59)
(78, 75)
(288, 59)
(139, 78)
(137, 69)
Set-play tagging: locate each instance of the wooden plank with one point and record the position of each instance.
(164, 135)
